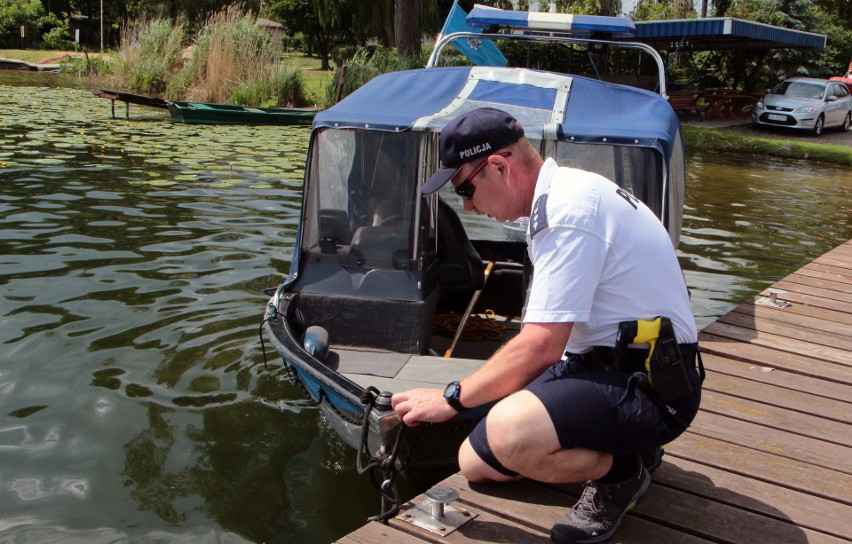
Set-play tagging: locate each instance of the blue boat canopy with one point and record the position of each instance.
(549, 106)
(722, 33)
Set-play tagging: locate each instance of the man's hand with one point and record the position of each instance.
(422, 405)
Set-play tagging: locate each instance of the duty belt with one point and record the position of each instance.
(603, 358)
(662, 365)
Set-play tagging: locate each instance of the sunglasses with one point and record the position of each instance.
(466, 188)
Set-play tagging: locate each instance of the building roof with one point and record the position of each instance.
(722, 33)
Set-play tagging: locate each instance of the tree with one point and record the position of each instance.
(15, 14)
(407, 27)
(323, 24)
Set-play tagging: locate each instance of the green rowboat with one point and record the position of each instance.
(227, 114)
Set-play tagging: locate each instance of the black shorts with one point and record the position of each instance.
(608, 411)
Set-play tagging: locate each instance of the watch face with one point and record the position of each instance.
(452, 390)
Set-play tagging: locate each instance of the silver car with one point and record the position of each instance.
(805, 103)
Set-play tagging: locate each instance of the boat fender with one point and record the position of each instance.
(315, 342)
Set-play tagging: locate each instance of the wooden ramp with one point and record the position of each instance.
(768, 459)
(128, 99)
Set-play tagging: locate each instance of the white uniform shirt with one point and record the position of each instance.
(600, 257)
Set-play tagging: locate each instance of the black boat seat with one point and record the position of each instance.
(334, 229)
(380, 247)
(460, 266)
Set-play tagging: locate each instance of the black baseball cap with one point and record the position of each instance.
(473, 135)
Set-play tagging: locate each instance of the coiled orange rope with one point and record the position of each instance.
(476, 329)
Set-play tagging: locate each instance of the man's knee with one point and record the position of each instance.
(475, 469)
(519, 428)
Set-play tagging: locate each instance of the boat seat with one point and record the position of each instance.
(460, 265)
(380, 247)
(333, 229)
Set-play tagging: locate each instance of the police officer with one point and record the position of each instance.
(566, 412)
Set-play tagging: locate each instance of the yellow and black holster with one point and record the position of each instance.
(664, 364)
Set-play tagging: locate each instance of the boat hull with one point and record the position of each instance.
(424, 454)
(225, 114)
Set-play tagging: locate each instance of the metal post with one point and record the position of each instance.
(102, 26)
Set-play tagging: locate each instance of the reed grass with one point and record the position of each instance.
(149, 54)
(233, 54)
(280, 86)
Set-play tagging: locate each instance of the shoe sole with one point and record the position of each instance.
(634, 501)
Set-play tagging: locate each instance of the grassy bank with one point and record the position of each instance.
(725, 141)
(34, 56)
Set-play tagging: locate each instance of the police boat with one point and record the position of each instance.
(390, 289)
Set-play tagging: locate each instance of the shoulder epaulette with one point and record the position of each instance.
(538, 218)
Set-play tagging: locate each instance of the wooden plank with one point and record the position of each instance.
(803, 317)
(800, 296)
(763, 498)
(840, 297)
(837, 282)
(375, 533)
(766, 439)
(721, 522)
(485, 527)
(768, 356)
(762, 465)
(835, 263)
(794, 327)
(778, 388)
(779, 343)
(843, 273)
(538, 506)
(825, 273)
(775, 417)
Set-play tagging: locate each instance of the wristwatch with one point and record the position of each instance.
(451, 395)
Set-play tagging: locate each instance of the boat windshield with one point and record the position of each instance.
(361, 199)
(639, 170)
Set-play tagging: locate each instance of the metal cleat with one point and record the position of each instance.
(772, 300)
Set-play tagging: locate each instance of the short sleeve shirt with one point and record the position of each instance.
(600, 257)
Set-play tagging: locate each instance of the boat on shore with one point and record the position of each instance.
(227, 114)
(390, 289)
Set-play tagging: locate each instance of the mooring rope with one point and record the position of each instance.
(476, 329)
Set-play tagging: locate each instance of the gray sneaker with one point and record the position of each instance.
(598, 513)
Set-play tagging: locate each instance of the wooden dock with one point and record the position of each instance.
(128, 99)
(768, 459)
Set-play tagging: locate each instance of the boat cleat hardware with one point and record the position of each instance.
(772, 300)
(436, 514)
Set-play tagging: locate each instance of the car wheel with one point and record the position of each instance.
(820, 122)
(846, 122)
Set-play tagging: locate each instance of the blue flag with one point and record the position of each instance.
(480, 52)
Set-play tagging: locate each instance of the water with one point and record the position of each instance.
(134, 400)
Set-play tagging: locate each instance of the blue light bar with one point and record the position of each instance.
(564, 23)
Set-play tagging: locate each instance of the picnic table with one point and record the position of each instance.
(727, 103)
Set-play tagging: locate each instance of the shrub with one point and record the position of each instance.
(89, 66)
(57, 34)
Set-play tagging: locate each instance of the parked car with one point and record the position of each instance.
(805, 103)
